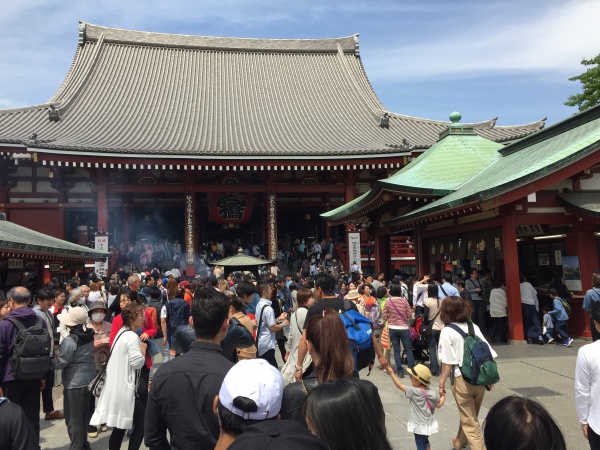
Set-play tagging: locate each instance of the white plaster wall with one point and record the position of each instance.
(82, 187)
(561, 186)
(22, 172)
(43, 172)
(45, 187)
(23, 186)
(592, 183)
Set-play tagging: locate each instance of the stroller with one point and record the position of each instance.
(420, 346)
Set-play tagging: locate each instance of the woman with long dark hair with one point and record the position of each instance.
(397, 313)
(337, 413)
(328, 346)
(432, 308)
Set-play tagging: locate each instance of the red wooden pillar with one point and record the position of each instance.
(271, 208)
(190, 232)
(383, 255)
(349, 195)
(126, 219)
(326, 225)
(102, 201)
(579, 243)
(420, 253)
(62, 190)
(60, 226)
(511, 278)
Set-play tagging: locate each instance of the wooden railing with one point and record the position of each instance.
(400, 250)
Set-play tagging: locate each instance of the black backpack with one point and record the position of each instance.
(30, 359)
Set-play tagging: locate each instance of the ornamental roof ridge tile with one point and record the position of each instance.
(92, 33)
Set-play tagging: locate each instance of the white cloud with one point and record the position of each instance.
(552, 39)
(403, 42)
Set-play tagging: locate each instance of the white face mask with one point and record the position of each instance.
(81, 300)
(98, 317)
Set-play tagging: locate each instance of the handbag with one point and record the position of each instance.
(427, 328)
(152, 348)
(385, 338)
(246, 353)
(97, 384)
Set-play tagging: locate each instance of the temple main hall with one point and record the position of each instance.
(201, 138)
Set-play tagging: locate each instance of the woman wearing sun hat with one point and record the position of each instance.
(76, 359)
(98, 312)
(355, 297)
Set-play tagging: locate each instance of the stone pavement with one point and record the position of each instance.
(545, 373)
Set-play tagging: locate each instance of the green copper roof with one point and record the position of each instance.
(456, 157)
(350, 207)
(445, 166)
(21, 240)
(523, 162)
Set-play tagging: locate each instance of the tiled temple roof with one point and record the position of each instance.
(132, 93)
(18, 240)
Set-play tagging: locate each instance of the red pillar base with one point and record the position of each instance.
(190, 270)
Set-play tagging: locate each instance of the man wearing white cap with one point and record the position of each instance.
(251, 392)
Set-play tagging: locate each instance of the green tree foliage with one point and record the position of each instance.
(590, 80)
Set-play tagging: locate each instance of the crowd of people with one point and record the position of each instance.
(297, 255)
(221, 385)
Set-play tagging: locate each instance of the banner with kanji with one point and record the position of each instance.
(230, 207)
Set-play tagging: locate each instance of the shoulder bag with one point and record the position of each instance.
(262, 312)
(97, 384)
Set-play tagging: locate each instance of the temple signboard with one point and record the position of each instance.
(230, 207)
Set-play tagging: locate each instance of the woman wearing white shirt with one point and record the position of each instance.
(116, 404)
(451, 351)
(305, 300)
(587, 385)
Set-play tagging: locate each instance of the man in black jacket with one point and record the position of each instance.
(16, 433)
(182, 392)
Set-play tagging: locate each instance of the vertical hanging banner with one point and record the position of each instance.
(230, 207)
(189, 229)
(101, 267)
(354, 253)
(272, 225)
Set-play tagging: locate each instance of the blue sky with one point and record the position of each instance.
(510, 59)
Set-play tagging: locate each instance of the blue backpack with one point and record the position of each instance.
(360, 337)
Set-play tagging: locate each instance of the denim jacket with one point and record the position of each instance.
(77, 363)
(558, 312)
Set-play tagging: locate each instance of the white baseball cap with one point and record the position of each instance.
(257, 380)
